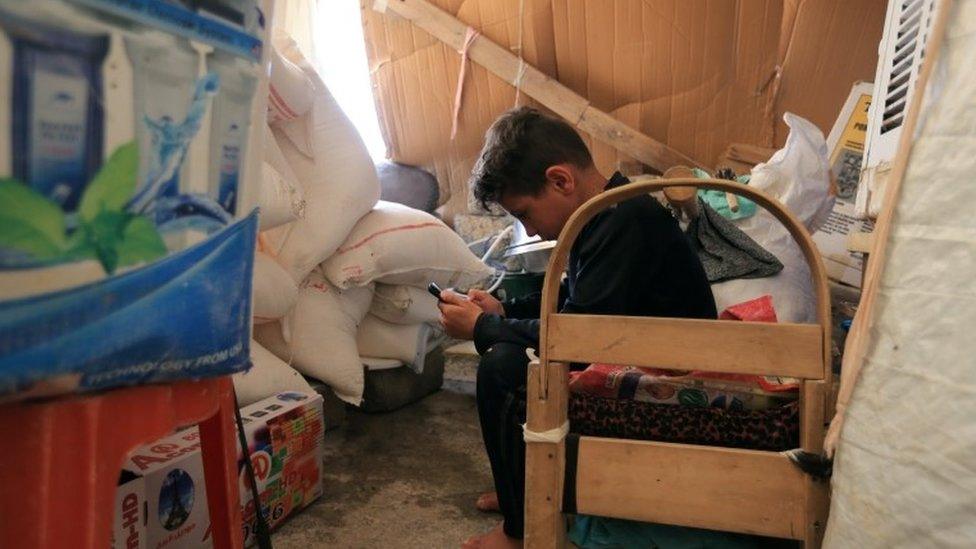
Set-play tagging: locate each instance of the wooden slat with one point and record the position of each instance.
(793, 350)
(539, 86)
(716, 488)
(545, 461)
(813, 416)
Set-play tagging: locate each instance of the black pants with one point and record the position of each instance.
(502, 374)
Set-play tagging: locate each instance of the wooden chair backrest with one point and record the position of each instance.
(560, 254)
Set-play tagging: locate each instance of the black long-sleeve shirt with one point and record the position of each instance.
(630, 259)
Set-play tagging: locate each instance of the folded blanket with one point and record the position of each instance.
(774, 429)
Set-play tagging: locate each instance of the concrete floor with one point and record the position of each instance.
(403, 479)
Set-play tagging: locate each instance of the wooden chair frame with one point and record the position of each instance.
(747, 491)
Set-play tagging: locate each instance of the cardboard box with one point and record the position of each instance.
(129, 527)
(846, 148)
(695, 76)
(161, 501)
(826, 46)
(285, 438)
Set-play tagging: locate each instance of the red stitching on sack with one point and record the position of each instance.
(390, 230)
(275, 111)
(281, 104)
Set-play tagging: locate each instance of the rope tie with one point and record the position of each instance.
(469, 37)
(518, 80)
(521, 67)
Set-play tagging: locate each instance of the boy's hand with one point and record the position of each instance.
(458, 315)
(486, 301)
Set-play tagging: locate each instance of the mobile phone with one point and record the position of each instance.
(435, 291)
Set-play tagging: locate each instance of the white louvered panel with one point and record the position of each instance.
(900, 55)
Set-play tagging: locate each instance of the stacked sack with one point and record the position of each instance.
(399, 251)
(339, 275)
(282, 203)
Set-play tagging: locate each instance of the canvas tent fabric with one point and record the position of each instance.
(904, 472)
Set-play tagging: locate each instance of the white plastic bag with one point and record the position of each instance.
(404, 305)
(268, 375)
(406, 343)
(395, 244)
(275, 292)
(798, 175)
(321, 335)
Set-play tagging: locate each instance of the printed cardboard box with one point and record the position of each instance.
(845, 145)
(162, 498)
(285, 439)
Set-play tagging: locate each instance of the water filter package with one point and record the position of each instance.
(126, 240)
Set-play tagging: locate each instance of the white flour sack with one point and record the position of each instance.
(268, 375)
(290, 91)
(275, 292)
(406, 343)
(321, 335)
(338, 179)
(281, 199)
(404, 305)
(276, 159)
(395, 244)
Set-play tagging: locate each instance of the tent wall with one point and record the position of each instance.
(696, 76)
(905, 471)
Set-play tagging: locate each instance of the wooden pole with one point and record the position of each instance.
(537, 85)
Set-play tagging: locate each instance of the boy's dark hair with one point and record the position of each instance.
(519, 147)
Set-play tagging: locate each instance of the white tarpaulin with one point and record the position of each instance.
(905, 468)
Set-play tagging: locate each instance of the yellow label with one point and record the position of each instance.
(856, 129)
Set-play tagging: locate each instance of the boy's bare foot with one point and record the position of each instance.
(488, 503)
(494, 539)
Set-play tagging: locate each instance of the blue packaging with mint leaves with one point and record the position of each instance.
(57, 116)
(118, 263)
